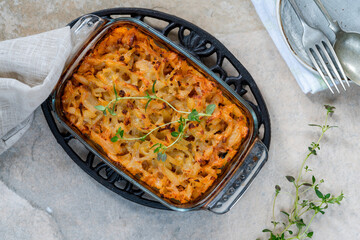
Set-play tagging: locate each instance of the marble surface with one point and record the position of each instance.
(45, 195)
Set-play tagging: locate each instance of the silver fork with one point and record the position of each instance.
(318, 46)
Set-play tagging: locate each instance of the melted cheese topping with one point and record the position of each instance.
(131, 61)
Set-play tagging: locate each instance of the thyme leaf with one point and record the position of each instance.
(210, 109)
(194, 116)
(100, 108)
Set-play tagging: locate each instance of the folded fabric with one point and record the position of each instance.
(29, 69)
(308, 81)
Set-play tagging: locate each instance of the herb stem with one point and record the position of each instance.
(179, 111)
(305, 190)
(273, 210)
(129, 139)
(163, 100)
(305, 211)
(299, 236)
(179, 137)
(324, 129)
(308, 225)
(286, 228)
(289, 194)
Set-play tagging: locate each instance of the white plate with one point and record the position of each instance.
(346, 12)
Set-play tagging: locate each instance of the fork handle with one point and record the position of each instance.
(333, 24)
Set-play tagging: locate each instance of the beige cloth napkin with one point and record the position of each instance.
(29, 69)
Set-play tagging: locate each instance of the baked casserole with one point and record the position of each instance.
(127, 62)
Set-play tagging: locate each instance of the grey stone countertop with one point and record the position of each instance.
(45, 195)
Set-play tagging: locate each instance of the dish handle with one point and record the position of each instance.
(83, 29)
(241, 180)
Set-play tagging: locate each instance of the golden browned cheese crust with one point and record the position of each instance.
(131, 61)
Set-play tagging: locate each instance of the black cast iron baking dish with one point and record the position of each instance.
(227, 192)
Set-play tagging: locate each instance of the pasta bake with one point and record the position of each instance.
(126, 62)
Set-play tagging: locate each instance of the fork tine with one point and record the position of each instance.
(326, 41)
(322, 47)
(318, 69)
(316, 51)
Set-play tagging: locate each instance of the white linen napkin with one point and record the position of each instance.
(29, 69)
(308, 81)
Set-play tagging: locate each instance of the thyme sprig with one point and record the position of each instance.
(149, 97)
(160, 149)
(295, 226)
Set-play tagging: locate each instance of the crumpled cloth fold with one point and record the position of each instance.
(29, 69)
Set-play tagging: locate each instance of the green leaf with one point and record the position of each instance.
(340, 197)
(300, 223)
(319, 194)
(194, 116)
(310, 234)
(285, 213)
(100, 107)
(118, 131)
(122, 133)
(274, 223)
(307, 184)
(116, 95)
(154, 145)
(163, 157)
(114, 139)
(147, 104)
(313, 179)
(153, 87)
(174, 134)
(327, 196)
(290, 232)
(290, 178)
(210, 109)
(329, 108)
(111, 111)
(304, 203)
(315, 125)
(266, 230)
(337, 199)
(181, 127)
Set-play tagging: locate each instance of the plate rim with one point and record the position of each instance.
(298, 58)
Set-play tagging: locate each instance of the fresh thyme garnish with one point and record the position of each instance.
(160, 149)
(295, 226)
(119, 134)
